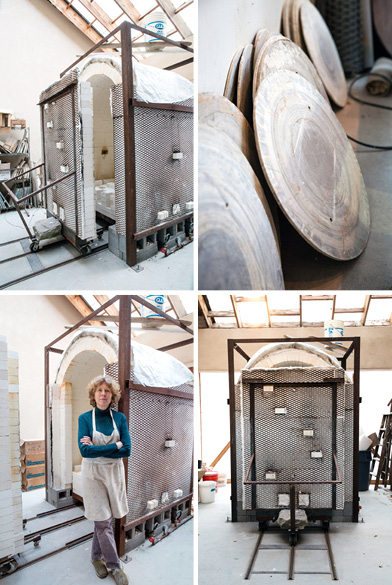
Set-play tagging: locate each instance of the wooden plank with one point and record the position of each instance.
(100, 15)
(77, 20)
(129, 9)
(268, 312)
(83, 308)
(219, 457)
(365, 309)
(203, 307)
(183, 6)
(236, 311)
(112, 310)
(177, 20)
(177, 306)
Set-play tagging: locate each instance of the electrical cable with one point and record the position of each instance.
(351, 95)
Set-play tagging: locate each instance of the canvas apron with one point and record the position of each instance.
(103, 480)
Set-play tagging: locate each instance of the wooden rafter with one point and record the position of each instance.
(183, 6)
(83, 307)
(100, 15)
(204, 309)
(77, 20)
(300, 310)
(177, 20)
(112, 309)
(177, 306)
(333, 307)
(366, 306)
(268, 311)
(237, 315)
(129, 9)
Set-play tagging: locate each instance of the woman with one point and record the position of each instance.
(103, 442)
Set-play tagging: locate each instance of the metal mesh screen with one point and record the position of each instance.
(62, 151)
(279, 441)
(155, 471)
(161, 182)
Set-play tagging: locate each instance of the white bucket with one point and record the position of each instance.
(155, 22)
(158, 301)
(334, 328)
(207, 491)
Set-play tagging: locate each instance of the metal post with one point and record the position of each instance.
(129, 144)
(233, 443)
(357, 358)
(47, 442)
(124, 366)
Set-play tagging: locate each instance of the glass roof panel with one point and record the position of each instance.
(82, 10)
(379, 310)
(111, 8)
(100, 28)
(316, 311)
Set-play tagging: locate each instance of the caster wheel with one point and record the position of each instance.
(8, 567)
(100, 236)
(34, 246)
(85, 250)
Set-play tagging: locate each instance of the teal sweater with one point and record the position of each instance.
(104, 424)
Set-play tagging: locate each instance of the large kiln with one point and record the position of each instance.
(294, 430)
(160, 416)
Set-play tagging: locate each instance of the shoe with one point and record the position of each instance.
(100, 569)
(120, 577)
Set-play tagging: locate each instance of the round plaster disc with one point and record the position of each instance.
(237, 242)
(230, 90)
(296, 34)
(284, 54)
(382, 18)
(261, 36)
(310, 166)
(244, 88)
(286, 19)
(323, 52)
(218, 112)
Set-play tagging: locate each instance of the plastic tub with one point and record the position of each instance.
(156, 22)
(365, 458)
(212, 476)
(207, 490)
(334, 328)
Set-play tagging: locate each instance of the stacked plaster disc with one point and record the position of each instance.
(238, 246)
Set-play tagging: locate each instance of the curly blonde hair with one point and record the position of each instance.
(114, 388)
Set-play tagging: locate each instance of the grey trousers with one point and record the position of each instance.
(104, 545)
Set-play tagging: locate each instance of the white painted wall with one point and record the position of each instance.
(375, 390)
(38, 43)
(225, 26)
(30, 322)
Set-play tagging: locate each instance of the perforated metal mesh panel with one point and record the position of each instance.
(153, 469)
(279, 442)
(60, 122)
(161, 182)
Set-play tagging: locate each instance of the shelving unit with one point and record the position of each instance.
(18, 160)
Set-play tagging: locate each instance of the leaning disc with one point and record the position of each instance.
(268, 39)
(237, 242)
(323, 52)
(282, 53)
(286, 19)
(244, 87)
(310, 166)
(217, 111)
(230, 90)
(296, 34)
(261, 36)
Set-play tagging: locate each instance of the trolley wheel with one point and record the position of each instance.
(84, 250)
(293, 538)
(100, 235)
(34, 246)
(8, 567)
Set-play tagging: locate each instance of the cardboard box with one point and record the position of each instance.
(18, 122)
(5, 119)
(33, 483)
(32, 471)
(32, 447)
(33, 459)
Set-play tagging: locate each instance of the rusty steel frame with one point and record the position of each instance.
(354, 347)
(129, 105)
(124, 360)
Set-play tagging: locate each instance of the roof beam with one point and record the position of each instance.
(77, 20)
(112, 309)
(83, 308)
(365, 309)
(176, 19)
(236, 311)
(100, 15)
(268, 312)
(129, 9)
(185, 5)
(300, 310)
(177, 306)
(205, 311)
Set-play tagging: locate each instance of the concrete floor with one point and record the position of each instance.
(101, 271)
(362, 551)
(170, 562)
(303, 267)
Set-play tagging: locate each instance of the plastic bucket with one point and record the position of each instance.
(222, 481)
(334, 328)
(155, 22)
(207, 490)
(212, 476)
(157, 301)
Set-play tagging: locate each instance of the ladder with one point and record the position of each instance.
(383, 452)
